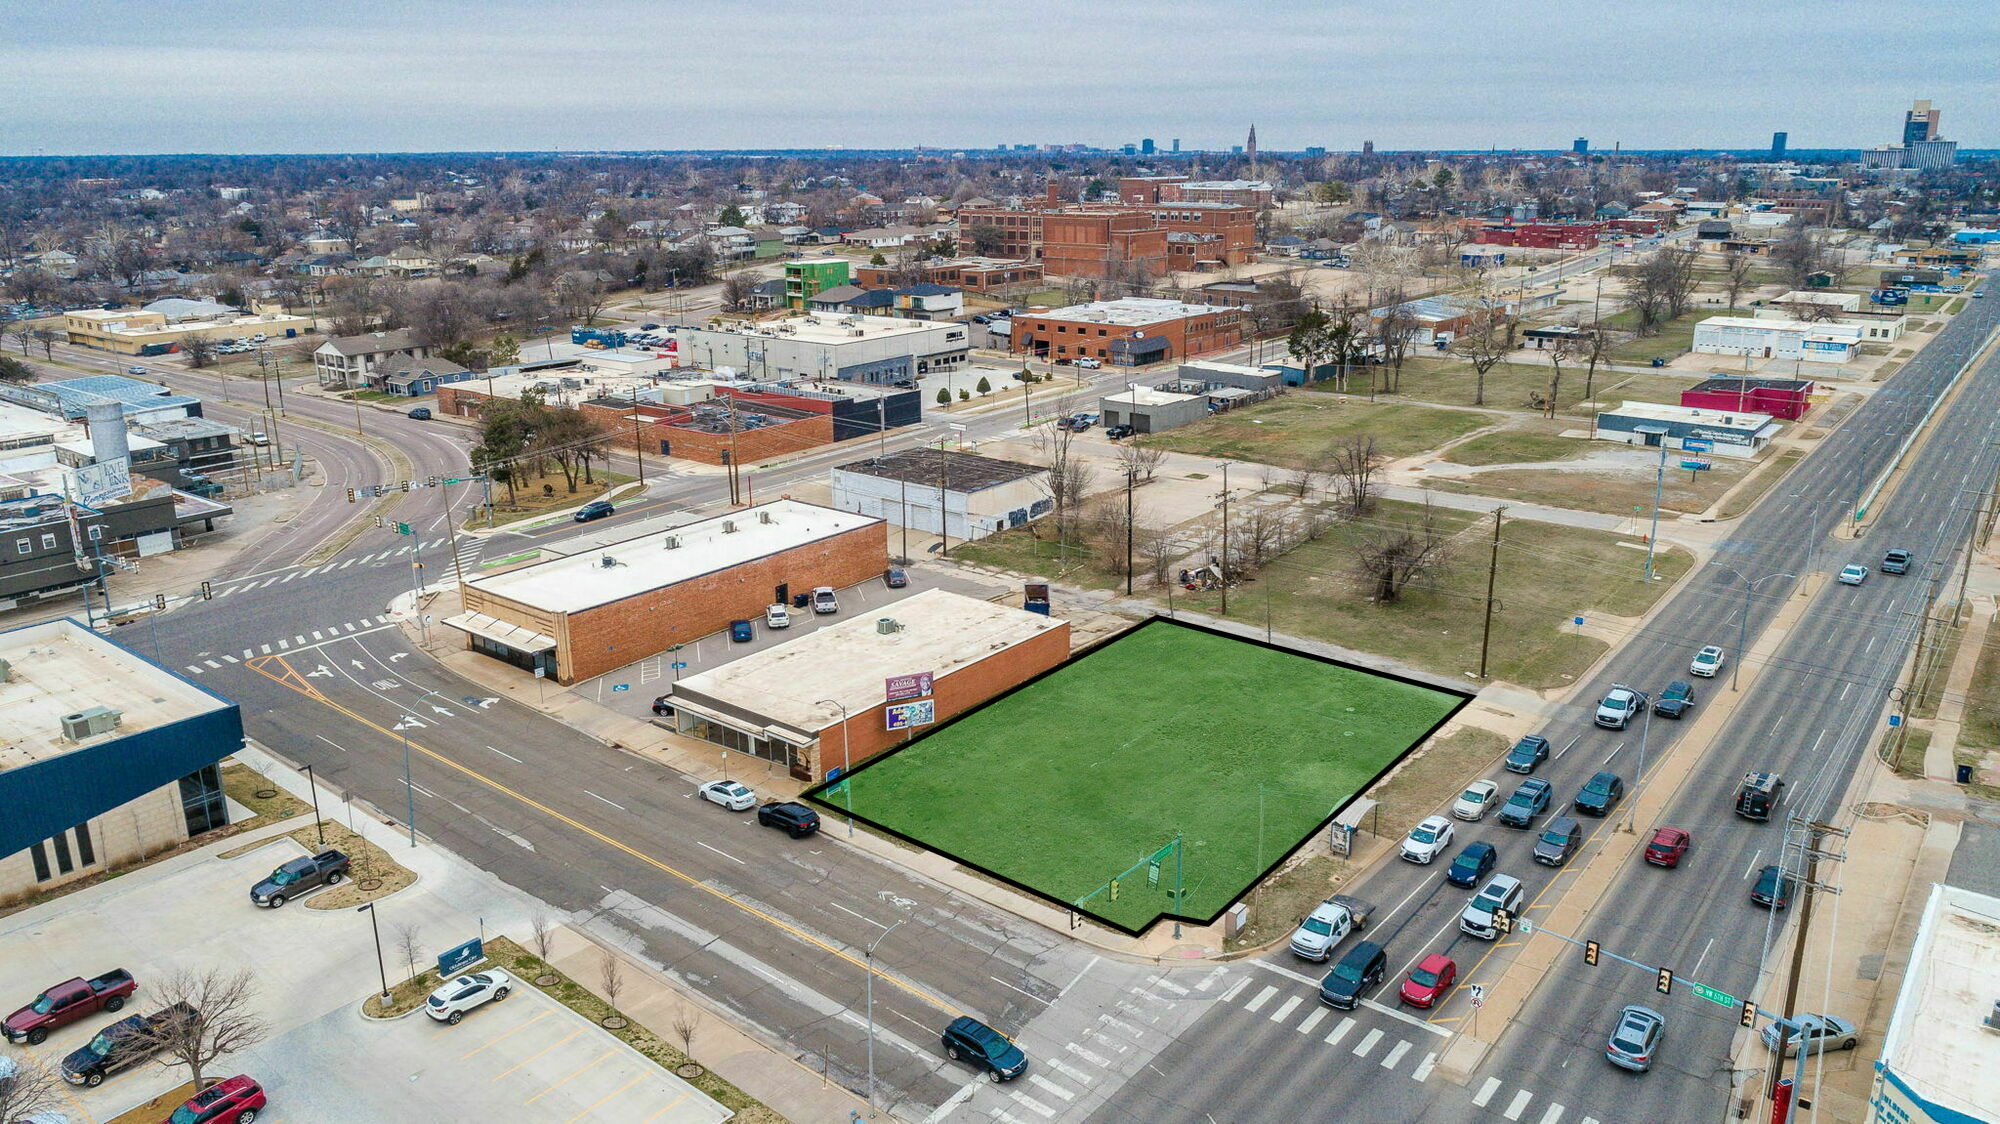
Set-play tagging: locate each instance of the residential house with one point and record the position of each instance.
(345, 363)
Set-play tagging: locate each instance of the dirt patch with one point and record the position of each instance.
(1277, 903)
(1430, 776)
(157, 1109)
(368, 864)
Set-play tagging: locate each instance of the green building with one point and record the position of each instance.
(809, 278)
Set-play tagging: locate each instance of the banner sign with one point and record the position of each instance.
(910, 715)
(900, 687)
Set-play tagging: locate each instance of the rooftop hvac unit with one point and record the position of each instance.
(762, 517)
(607, 561)
(6, 671)
(887, 625)
(90, 722)
(729, 526)
(672, 542)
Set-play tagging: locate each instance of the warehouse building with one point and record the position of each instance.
(1778, 339)
(137, 331)
(979, 495)
(868, 349)
(107, 758)
(580, 616)
(837, 696)
(1727, 432)
(1148, 410)
(1129, 332)
(1936, 1065)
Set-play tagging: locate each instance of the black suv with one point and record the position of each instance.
(1361, 969)
(1600, 794)
(789, 816)
(1675, 700)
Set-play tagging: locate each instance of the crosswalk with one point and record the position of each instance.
(311, 638)
(1517, 1106)
(438, 566)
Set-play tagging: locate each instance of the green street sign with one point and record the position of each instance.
(1721, 998)
(402, 528)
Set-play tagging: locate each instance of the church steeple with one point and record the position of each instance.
(1250, 149)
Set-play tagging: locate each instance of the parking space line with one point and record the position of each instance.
(537, 1054)
(664, 1111)
(574, 1074)
(497, 1038)
(607, 1096)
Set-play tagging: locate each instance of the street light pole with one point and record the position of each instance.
(409, 786)
(381, 966)
(1743, 625)
(314, 787)
(871, 1009)
(846, 764)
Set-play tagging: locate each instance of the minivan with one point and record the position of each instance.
(1361, 969)
(1759, 795)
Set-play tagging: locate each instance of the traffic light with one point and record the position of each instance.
(1665, 985)
(406, 485)
(350, 495)
(1590, 953)
(433, 483)
(159, 601)
(1114, 884)
(207, 593)
(1749, 1016)
(1503, 920)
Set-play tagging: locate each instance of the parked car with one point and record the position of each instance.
(450, 1002)
(1427, 984)
(1853, 575)
(895, 577)
(1817, 1033)
(1427, 839)
(1362, 968)
(123, 1044)
(1474, 801)
(1472, 864)
(67, 1002)
(1636, 1039)
(1558, 841)
(789, 816)
(1707, 662)
(1114, 432)
(595, 509)
(1502, 891)
(298, 876)
(1896, 562)
(1527, 753)
(1530, 799)
(663, 705)
(968, 1039)
(1600, 794)
(648, 327)
(260, 439)
(1773, 889)
(824, 601)
(777, 616)
(733, 795)
(1090, 364)
(1618, 707)
(1329, 923)
(742, 632)
(235, 1099)
(1675, 700)
(1667, 846)
(421, 413)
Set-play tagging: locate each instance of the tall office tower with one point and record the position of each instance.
(1146, 146)
(1778, 145)
(1580, 145)
(1920, 123)
(1177, 144)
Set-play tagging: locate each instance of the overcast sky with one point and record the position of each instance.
(91, 76)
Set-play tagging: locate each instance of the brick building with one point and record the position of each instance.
(978, 275)
(1541, 235)
(1020, 228)
(1129, 332)
(1780, 398)
(1127, 244)
(1092, 240)
(821, 702)
(583, 615)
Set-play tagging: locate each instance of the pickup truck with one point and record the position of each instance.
(1322, 930)
(298, 876)
(67, 1002)
(124, 1044)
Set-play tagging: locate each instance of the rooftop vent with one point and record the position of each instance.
(607, 561)
(672, 542)
(762, 517)
(6, 671)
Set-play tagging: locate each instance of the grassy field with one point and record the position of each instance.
(1610, 494)
(1019, 550)
(1071, 781)
(1772, 471)
(1451, 382)
(1289, 430)
(1674, 337)
(1548, 573)
(1514, 446)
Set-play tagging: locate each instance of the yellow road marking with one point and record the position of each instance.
(574, 1074)
(664, 1111)
(536, 1054)
(291, 678)
(498, 1038)
(607, 1096)
(1452, 1019)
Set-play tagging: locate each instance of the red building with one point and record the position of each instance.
(1541, 236)
(1130, 332)
(1788, 399)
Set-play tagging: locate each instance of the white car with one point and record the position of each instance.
(260, 439)
(733, 795)
(823, 600)
(1474, 801)
(1817, 1032)
(1707, 662)
(1853, 575)
(1618, 707)
(777, 616)
(1427, 839)
(449, 1003)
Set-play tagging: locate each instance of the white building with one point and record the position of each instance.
(1778, 339)
(1937, 1060)
(979, 495)
(868, 349)
(1724, 433)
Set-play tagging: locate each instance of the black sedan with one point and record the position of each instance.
(1675, 701)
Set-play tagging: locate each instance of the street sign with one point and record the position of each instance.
(461, 956)
(617, 687)
(1719, 998)
(1578, 621)
(679, 664)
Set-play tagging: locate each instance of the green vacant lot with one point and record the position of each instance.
(1288, 431)
(1073, 780)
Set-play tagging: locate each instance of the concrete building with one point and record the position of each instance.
(1813, 342)
(867, 349)
(1729, 434)
(823, 703)
(139, 332)
(1789, 399)
(585, 614)
(344, 363)
(108, 758)
(1129, 332)
(1877, 326)
(1148, 410)
(979, 495)
(1937, 1060)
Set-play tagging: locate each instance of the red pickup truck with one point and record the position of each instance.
(67, 1002)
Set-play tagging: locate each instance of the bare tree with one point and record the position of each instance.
(1800, 254)
(1258, 537)
(1066, 483)
(23, 336)
(1560, 352)
(28, 1090)
(737, 289)
(610, 976)
(1158, 548)
(684, 1022)
(200, 351)
(47, 338)
(1596, 352)
(1388, 560)
(1142, 461)
(410, 944)
(1352, 464)
(1736, 275)
(540, 932)
(223, 1019)
(1394, 332)
(1487, 339)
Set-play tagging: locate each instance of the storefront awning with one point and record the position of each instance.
(500, 632)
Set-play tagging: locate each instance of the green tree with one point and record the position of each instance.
(731, 215)
(1443, 179)
(984, 387)
(943, 395)
(1333, 191)
(877, 259)
(987, 239)
(505, 427)
(13, 370)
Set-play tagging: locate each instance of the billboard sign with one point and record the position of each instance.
(900, 687)
(908, 716)
(452, 960)
(99, 484)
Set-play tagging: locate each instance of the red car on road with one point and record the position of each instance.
(1667, 846)
(235, 1100)
(1432, 978)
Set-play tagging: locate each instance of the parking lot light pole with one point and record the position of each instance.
(871, 1009)
(380, 965)
(846, 785)
(409, 787)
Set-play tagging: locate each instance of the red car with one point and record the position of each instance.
(1429, 982)
(1667, 846)
(235, 1100)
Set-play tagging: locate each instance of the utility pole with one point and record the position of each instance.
(1808, 888)
(1659, 489)
(1492, 573)
(1223, 567)
(1130, 472)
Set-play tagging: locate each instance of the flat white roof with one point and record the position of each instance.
(1131, 312)
(848, 662)
(60, 667)
(827, 327)
(1935, 1044)
(1693, 415)
(1147, 396)
(581, 581)
(1825, 329)
(1229, 368)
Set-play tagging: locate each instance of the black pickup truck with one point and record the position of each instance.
(124, 1044)
(298, 876)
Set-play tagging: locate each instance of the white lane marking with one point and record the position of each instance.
(1312, 1020)
(1590, 1120)
(1753, 862)
(1261, 998)
(1396, 1053)
(1122, 1025)
(1553, 1114)
(1486, 1092)
(724, 854)
(317, 636)
(1339, 1032)
(1367, 1043)
(1518, 1105)
(425, 791)
(1170, 986)
(1844, 690)
(613, 803)
(1284, 1010)
(284, 645)
(1696, 970)
(348, 626)
(507, 755)
(288, 577)
(1424, 1067)
(851, 913)
(1067, 1070)
(231, 659)
(331, 742)
(1011, 987)
(1040, 1082)
(191, 669)
(265, 648)
(1086, 1055)
(212, 664)
(1028, 1102)
(300, 639)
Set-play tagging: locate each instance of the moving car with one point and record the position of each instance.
(1359, 970)
(1526, 754)
(235, 1100)
(67, 1002)
(1502, 891)
(1472, 864)
(123, 1044)
(1638, 1036)
(1600, 794)
(135, 370)
(1427, 839)
(1327, 925)
(1817, 1033)
(895, 577)
(1773, 889)
(968, 1039)
(1429, 981)
(421, 413)
(1530, 799)
(1707, 662)
(449, 1003)
(1558, 841)
(595, 509)
(733, 795)
(1619, 705)
(1474, 801)
(777, 616)
(1896, 562)
(1758, 795)
(1667, 846)
(1675, 700)
(1853, 575)
(823, 600)
(790, 816)
(298, 876)
(260, 439)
